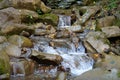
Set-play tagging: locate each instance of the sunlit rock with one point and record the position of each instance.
(13, 50)
(109, 62)
(98, 41)
(20, 41)
(89, 48)
(99, 74)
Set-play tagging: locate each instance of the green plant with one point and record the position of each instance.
(39, 11)
(112, 4)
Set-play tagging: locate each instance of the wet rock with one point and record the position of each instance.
(99, 74)
(45, 31)
(76, 28)
(25, 4)
(63, 34)
(3, 39)
(4, 65)
(22, 67)
(98, 41)
(112, 31)
(59, 43)
(49, 19)
(45, 58)
(105, 21)
(13, 50)
(20, 41)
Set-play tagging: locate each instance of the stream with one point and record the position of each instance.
(74, 58)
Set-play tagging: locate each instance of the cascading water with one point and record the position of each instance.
(64, 21)
(74, 57)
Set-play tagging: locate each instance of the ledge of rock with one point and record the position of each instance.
(45, 58)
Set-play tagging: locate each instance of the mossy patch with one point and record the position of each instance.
(49, 18)
(117, 22)
(4, 63)
(1, 0)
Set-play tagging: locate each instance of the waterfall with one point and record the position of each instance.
(64, 21)
(73, 58)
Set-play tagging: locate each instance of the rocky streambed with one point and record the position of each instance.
(72, 42)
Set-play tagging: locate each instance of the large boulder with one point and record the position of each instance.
(99, 74)
(25, 4)
(11, 20)
(15, 15)
(13, 50)
(4, 65)
(110, 61)
(111, 31)
(15, 28)
(98, 41)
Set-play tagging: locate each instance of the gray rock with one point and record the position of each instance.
(99, 74)
(111, 31)
(13, 50)
(98, 41)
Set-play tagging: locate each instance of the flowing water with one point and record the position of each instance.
(74, 58)
(64, 21)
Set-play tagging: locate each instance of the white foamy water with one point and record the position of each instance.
(74, 58)
(64, 21)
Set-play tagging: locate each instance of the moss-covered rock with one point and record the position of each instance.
(4, 65)
(49, 18)
(20, 41)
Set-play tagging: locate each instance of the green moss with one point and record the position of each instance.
(4, 63)
(106, 41)
(117, 22)
(49, 18)
(1, 0)
(118, 74)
